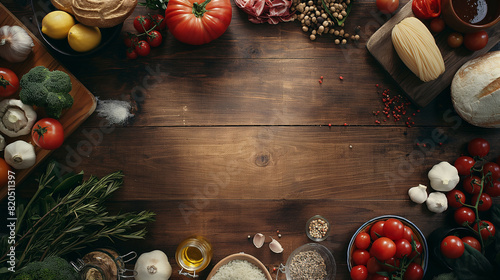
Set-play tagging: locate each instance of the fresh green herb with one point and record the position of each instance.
(155, 4)
(67, 215)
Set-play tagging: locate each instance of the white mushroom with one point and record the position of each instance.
(258, 240)
(20, 155)
(16, 118)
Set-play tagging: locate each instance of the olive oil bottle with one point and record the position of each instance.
(194, 254)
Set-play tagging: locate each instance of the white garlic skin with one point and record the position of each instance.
(418, 194)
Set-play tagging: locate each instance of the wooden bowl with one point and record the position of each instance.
(240, 256)
(451, 16)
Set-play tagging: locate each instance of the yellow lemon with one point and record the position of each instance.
(83, 38)
(57, 24)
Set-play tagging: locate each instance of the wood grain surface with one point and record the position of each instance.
(238, 136)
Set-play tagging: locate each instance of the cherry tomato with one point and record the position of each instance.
(418, 249)
(452, 247)
(48, 134)
(379, 277)
(159, 21)
(142, 48)
(437, 25)
(391, 264)
(362, 241)
(485, 201)
(359, 272)
(487, 229)
(387, 6)
(472, 184)
(383, 249)
(455, 40)
(377, 230)
(476, 41)
(131, 53)
(142, 24)
(130, 40)
(478, 147)
(408, 234)
(464, 215)
(473, 242)
(455, 198)
(393, 229)
(9, 82)
(414, 272)
(403, 248)
(4, 173)
(360, 256)
(493, 168)
(463, 164)
(493, 189)
(373, 265)
(154, 38)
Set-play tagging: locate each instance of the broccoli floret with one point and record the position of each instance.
(49, 89)
(52, 268)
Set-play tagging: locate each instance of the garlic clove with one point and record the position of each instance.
(275, 246)
(258, 240)
(418, 194)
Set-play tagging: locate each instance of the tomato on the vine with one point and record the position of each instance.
(393, 229)
(48, 134)
(487, 229)
(142, 48)
(485, 201)
(418, 249)
(154, 38)
(130, 40)
(360, 256)
(362, 241)
(4, 173)
(472, 184)
(414, 272)
(493, 188)
(463, 165)
(387, 6)
(159, 21)
(9, 82)
(131, 53)
(464, 216)
(403, 248)
(478, 147)
(493, 168)
(383, 248)
(456, 198)
(452, 247)
(473, 242)
(476, 41)
(377, 230)
(142, 23)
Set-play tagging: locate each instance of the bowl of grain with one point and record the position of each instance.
(238, 265)
(311, 261)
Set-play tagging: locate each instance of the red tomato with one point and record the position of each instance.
(455, 198)
(452, 247)
(472, 184)
(476, 41)
(383, 249)
(393, 229)
(374, 265)
(418, 249)
(362, 241)
(493, 168)
(464, 215)
(154, 38)
(487, 229)
(478, 147)
(196, 22)
(377, 230)
(403, 248)
(387, 6)
(413, 272)
(9, 82)
(455, 40)
(4, 173)
(473, 242)
(130, 40)
(437, 25)
(493, 189)
(408, 234)
(391, 264)
(359, 272)
(360, 256)
(48, 134)
(485, 201)
(142, 24)
(463, 164)
(379, 277)
(142, 48)
(131, 53)
(159, 21)
(426, 9)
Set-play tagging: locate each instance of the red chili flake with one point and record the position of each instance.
(377, 85)
(345, 124)
(330, 124)
(377, 122)
(425, 145)
(341, 78)
(440, 144)
(274, 269)
(320, 81)
(321, 77)
(417, 144)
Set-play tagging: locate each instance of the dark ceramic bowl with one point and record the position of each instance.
(43, 7)
(454, 16)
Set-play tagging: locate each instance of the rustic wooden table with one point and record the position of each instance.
(238, 136)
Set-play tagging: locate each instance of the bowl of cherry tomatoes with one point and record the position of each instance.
(387, 245)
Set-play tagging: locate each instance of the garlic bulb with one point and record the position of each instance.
(15, 43)
(16, 118)
(20, 154)
(437, 202)
(443, 177)
(153, 266)
(418, 194)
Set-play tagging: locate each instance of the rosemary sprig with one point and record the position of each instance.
(155, 4)
(67, 215)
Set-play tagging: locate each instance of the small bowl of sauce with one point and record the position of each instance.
(471, 15)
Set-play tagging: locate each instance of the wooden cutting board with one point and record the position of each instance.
(84, 102)
(380, 46)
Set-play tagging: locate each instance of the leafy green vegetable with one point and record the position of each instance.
(472, 265)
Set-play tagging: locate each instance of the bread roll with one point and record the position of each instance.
(63, 5)
(475, 90)
(102, 14)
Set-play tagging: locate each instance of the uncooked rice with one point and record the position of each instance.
(239, 270)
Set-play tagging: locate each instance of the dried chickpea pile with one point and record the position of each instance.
(316, 21)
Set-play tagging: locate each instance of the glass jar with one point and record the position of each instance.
(193, 254)
(103, 264)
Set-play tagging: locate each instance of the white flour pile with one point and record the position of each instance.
(239, 270)
(116, 112)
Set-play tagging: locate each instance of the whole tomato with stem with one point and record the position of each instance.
(142, 48)
(154, 38)
(464, 164)
(464, 216)
(452, 247)
(456, 198)
(198, 22)
(472, 184)
(485, 201)
(48, 134)
(142, 23)
(493, 168)
(487, 229)
(9, 82)
(493, 188)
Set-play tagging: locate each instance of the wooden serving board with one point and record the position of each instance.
(84, 102)
(380, 46)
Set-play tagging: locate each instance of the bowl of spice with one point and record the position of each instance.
(239, 266)
(311, 261)
(317, 228)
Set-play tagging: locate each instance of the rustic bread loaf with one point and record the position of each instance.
(475, 90)
(102, 14)
(63, 5)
